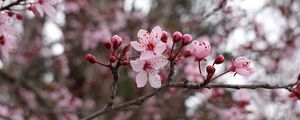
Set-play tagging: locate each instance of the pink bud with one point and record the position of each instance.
(177, 36)
(125, 62)
(210, 69)
(112, 59)
(187, 53)
(219, 59)
(186, 39)
(19, 17)
(165, 36)
(10, 13)
(116, 41)
(107, 44)
(91, 58)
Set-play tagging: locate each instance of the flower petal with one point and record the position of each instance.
(245, 71)
(160, 47)
(241, 62)
(148, 55)
(137, 46)
(137, 65)
(154, 79)
(160, 63)
(143, 36)
(49, 10)
(141, 79)
(156, 33)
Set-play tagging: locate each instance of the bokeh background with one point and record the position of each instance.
(47, 77)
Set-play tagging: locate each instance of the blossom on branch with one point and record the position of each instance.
(149, 44)
(199, 49)
(241, 66)
(148, 69)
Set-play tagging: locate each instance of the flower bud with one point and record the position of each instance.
(177, 36)
(210, 69)
(10, 13)
(187, 53)
(19, 17)
(112, 59)
(91, 58)
(164, 37)
(186, 39)
(125, 62)
(219, 59)
(116, 41)
(107, 44)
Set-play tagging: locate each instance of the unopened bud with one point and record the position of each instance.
(186, 39)
(116, 41)
(177, 36)
(164, 37)
(187, 53)
(210, 71)
(91, 58)
(107, 44)
(125, 62)
(219, 59)
(19, 17)
(10, 13)
(112, 59)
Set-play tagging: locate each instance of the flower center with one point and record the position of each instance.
(148, 66)
(150, 46)
(2, 40)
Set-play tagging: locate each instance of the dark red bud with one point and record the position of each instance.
(125, 62)
(112, 59)
(116, 41)
(219, 59)
(10, 13)
(20, 17)
(177, 36)
(91, 58)
(187, 53)
(210, 69)
(186, 39)
(107, 44)
(164, 37)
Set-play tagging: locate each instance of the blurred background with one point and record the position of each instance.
(47, 77)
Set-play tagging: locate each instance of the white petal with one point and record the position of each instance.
(50, 10)
(143, 36)
(154, 79)
(160, 63)
(141, 79)
(160, 47)
(148, 55)
(137, 65)
(137, 46)
(245, 71)
(156, 33)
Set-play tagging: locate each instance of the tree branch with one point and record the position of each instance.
(11, 5)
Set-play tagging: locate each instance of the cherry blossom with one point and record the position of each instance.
(148, 69)
(241, 66)
(44, 6)
(149, 44)
(199, 49)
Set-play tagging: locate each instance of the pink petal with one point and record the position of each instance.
(148, 55)
(49, 10)
(143, 36)
(154, 80)
(137, 65)
(160, 63)
(156, 33)
(160, 47)
(141, 79)
(245, 71)
(241, 62)
(137, 46)
(40, 10)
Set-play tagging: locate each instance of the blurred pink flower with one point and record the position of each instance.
(148, 70)
(44, 6)
(241, 66)
(149, 44)
(199, 49)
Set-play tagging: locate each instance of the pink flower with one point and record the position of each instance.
(199, 49)
(44, 6)
(148, 69)
(149, 44)
(241, 66)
